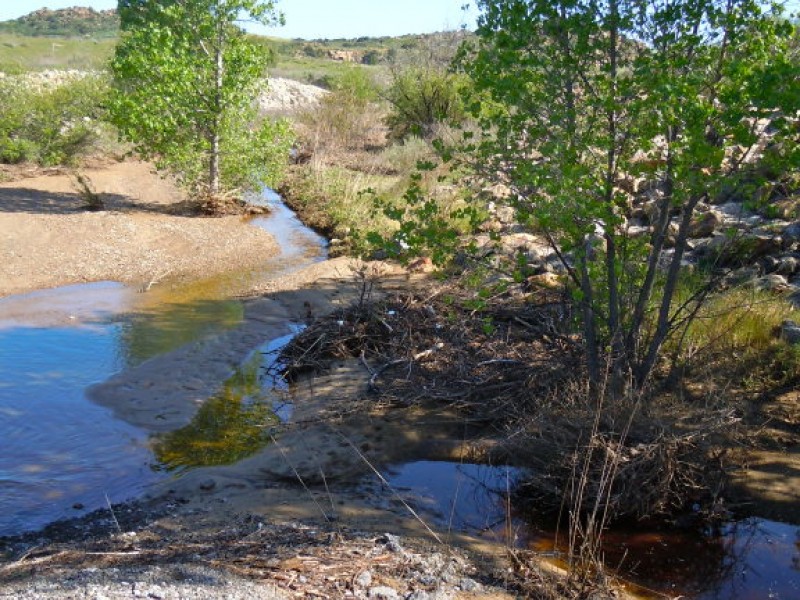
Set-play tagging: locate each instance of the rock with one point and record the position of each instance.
(794, 300)
(704, 224)
(791, 233)
(285, 95)
(735, 214)
(498, 191)
(769, 264)
(506, 215)
(544, 280)
(383, 592)
(743, 249)
(469, 585)
(790, 332)
(772, 283)
(788, 265)
(636, 231)
(740, 276)
(208, 485)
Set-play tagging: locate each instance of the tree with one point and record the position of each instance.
(589, 93)
(186, 76)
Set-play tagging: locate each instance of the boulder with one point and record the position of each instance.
(703, 224)
(788, 264)
(772, 283)
(741, 276)
(743, 249)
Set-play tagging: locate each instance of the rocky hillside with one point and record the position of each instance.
(75, 21)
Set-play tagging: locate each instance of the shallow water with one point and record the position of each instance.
(62, 455)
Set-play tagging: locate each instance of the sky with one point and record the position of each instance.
(313, 19)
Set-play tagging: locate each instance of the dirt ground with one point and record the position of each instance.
(145, 235)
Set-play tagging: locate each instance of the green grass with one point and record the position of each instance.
(24, 53)
(337, 200)
(321, 71)
(739, 328)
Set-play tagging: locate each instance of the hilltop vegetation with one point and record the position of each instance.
(83, 38)
(69, 22)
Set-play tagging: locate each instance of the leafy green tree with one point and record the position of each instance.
(186, 76)
(682, 94)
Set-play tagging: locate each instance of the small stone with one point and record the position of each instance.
(383, 592)
(363, 579)
(78, 506)
(392, 543)
(208, 485)
(469, 585)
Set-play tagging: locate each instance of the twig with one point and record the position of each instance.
(111, 510)
(299, 478)
(388, 485)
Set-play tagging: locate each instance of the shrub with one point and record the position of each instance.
(50, 122)
(344, 118)
(423, 98)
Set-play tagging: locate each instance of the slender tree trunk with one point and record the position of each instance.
(608, 197)
(589, 318)
(645, 368)
(216, 123)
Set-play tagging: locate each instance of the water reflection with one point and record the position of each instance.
(231, 425)
(748, 559)
(147, 333)
(458, 496)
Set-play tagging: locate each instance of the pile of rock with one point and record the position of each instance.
(49, 79)
(749, 242)
(286, 96)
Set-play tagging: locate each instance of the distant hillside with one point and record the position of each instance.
(68, 22)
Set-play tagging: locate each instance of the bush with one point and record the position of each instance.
(50, 123)
(344, 118)
(423, 98)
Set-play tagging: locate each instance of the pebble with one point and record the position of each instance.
(383, 592)
(469, 585)
(392, 543)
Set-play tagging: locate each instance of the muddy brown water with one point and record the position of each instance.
(63, 455)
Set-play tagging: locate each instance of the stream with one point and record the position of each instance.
(63, 455)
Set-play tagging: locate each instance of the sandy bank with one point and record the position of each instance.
(48, 240)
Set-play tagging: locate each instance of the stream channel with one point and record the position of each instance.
(63, 455)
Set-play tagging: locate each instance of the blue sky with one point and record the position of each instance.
(312, 19)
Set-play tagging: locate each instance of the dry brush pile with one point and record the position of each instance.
(515, 367)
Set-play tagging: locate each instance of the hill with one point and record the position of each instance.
(77, 21)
